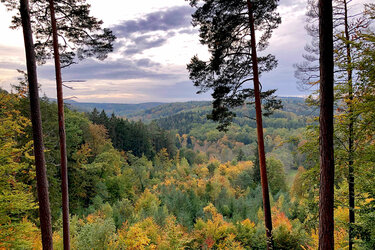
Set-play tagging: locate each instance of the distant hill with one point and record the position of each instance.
(184, 117)
(170, 109)
(119, 109)
(188, 120)
(294, 105)
(147, 112)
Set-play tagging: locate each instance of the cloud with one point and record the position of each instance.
(125, 69)
(129, 70)
(130, 74)
(12, 65)
(128, 91)
(144, 42)
(163, 20)
(287, 44)
(183, 90)
(146, 62)
(153, 30)
(189, 31)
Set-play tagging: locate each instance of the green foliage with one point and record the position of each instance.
(136, 137)
(225, 28)
(16, 196)
(191, 199)
(276, 175)
(97, 233)
(82, 33)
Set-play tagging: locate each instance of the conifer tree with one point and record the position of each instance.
(327, 167)
(41, 173)
(83, 37)
(228, 29)
(346, 27)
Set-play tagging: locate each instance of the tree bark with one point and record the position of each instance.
(60, 107)
(261, 151)
(351, 129)
(41, 172)
(327, 171)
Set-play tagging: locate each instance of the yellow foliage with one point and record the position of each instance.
(201, 171)
(175, 236)
(134, 238)
(169, 180)
(215, 232)
(141, 235)
(82, 155)
(340, 234)
(146, 201)
(98, 137)
(23, 235)
(247, 224)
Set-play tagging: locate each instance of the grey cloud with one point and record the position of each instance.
(153, 30)
(189, 31)
(144, 42)
(145, 62)
(109, 70)
(164, 20)
(181, 90)
(293, 2)
(15, 66)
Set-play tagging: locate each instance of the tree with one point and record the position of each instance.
(42, 183)
(228, 29)
(82, 35)
(276, 173)
(365, 158)
(62, 135)
(327, 167)
(346, 27)
(60, 101)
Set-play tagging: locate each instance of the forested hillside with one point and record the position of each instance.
(116, 108)
(245, 170)
(147, 112)
(157, 189)
(186, 185)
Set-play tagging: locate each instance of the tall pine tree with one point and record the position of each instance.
(327, 167)
(228, 29)
(41, 173)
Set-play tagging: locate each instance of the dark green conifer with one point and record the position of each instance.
(224, 28)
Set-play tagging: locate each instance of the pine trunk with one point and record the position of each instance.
(327, 172)
(36, 120)
(60, 107)
(351, 129)
(261, 151)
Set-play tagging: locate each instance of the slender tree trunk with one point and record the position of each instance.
(60, 106)
(262, 155)
(41, 172)
(327, 168)
(351, 130)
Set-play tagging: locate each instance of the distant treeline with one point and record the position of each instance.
(137, 137)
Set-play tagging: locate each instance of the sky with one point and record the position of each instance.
(155, 41)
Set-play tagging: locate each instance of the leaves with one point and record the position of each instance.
(224, 28)
(81, 34)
